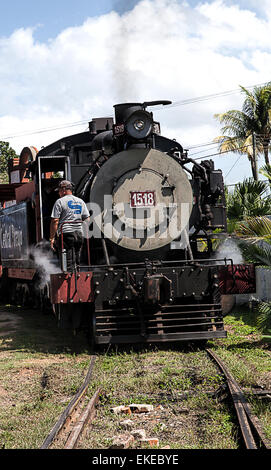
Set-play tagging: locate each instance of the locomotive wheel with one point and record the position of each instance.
(90, 335)
(46, 306)
(25, 295)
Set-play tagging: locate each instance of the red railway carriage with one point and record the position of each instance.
(142, 276)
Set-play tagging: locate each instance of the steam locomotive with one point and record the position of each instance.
(148, 271)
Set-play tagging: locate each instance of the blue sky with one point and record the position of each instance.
(64, 62)
(50, 17)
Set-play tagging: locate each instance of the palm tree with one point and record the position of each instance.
(255, 240)
(255, 244)
(248, 131)
(266, 171)
(247, 200)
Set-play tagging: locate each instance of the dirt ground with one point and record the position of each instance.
(42, 367)
(9, 323)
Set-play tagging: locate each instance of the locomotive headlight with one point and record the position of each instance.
(139, 124)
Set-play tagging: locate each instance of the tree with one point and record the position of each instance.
(248, 199)
(241, 127)
(6, 153)
(266, 171)
(255, 244)
(255, 240)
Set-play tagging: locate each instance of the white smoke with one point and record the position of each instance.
(230, 250)
(46, 263)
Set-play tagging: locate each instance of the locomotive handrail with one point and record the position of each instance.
(162, 263)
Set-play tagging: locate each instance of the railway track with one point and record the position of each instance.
(250, 426)
(78, 415)
(74, 419)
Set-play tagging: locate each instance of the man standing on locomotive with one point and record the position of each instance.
(67, 215)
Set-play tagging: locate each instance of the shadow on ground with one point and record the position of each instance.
(29, 329)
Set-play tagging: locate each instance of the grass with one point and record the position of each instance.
(248, 356)
(159, 377)
(41, 368)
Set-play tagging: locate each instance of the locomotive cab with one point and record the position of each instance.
(49, 171)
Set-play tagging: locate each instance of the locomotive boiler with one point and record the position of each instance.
(148, 271)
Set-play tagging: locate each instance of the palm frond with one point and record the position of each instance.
(266, 171)
(231, 144)
(251, 187)
(248, 201)
(256, 228)
(237, 127)
(254, 253)
(255, 117)
(264, 317)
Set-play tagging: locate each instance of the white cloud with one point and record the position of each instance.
(160, 50)
(233, 27)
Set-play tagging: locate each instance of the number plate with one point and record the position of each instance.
(142, 198)
(118, 129)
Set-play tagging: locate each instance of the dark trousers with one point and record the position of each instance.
(72, 243)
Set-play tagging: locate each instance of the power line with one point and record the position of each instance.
(196, 153)
(174, 104)
(232, 139)
(207, 97)
(224, 151)
(192, 147)
(233, 166)
(47, 129)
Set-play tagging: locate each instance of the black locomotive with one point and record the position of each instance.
(147, 272)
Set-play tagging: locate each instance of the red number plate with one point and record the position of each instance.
(142, 198)
(118, 129)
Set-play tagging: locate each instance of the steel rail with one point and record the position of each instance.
(243, 409)
(70, 409)
(85, 418)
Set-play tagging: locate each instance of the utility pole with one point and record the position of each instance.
(255, 156)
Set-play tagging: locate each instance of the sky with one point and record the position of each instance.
(63, 63)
